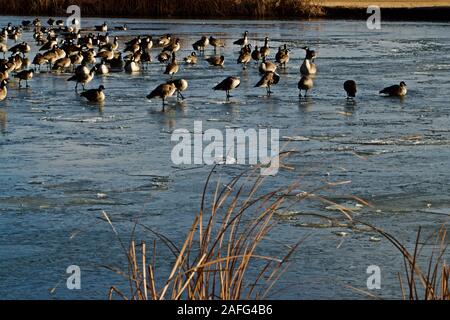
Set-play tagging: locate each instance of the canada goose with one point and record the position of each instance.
(282, 56)
(49, 44)
(3, 89)
(76, 59)
(4, 73)
(396, 90)
(94, 95)
(102, 39)
(89, 56)
(37, 22)
(165, 40)
(25, 75)
(265, 50)
(147, 43)
(105, 55)
(216, 43)
(51, 56)
(60, 52)
(83, 78)
(267, 80)
(14, 35)
(163, 91)
(117, 63)
(245, 57)
(21, 47)
(180, 85)
(216, 61)
(3, 49)
(308, 68)
(51, 22)
(132, 66)
(102, 68)
(201, 44)
(146, 58)
(122, 28)
(63, 63)
(256, 54)
(351, 88)
(173, 47)
(163, 57)
(172, 67)
(227, 85)
(26, 23)
(305, 83)
(191, 59)
(267, 66)
(133, 47)
(102, 28)
(310, 54)
(16, 62)
(82, 69)
(110, 46)
(242, 41)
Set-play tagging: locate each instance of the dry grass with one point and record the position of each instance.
(431, 280)
(168, 8)
(220, 256)
(218, 251)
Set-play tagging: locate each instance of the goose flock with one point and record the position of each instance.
(88, 54)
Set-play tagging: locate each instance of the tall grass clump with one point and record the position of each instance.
(168, 8)
(219, 257)
(426, 273)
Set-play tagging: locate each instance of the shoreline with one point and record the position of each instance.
(351, 12)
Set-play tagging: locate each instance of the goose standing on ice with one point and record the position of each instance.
(395, 90)
(3, 89)
(94, 95)
(227, 85)
(282, 56)
(163, 91)
(201, 44)
(267, 81)
(242, 41)
(172, 67)
(351, 88)
(216, 61)
(191, 59)
(305, 83)
(25, 75)
(180, 85)
(265, 50)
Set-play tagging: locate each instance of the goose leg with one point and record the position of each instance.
(181, 95)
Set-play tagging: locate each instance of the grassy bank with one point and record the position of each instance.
(167, 8)
(438, 10)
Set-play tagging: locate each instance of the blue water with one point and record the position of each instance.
(59, 154)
